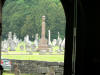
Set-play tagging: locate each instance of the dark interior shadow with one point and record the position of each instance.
(1, 5)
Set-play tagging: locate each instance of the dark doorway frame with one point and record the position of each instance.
(69, 12)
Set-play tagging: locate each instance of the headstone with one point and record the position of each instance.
(33, 47)
(9, 40)
(4, 46)
(36, 40)
(15, 39)
(50, 51)
(58, 35)
(63, 44)
(10, 35)
(28, 48)
(42, 52)
(26, 38)
(12, 46)
(49, 40)
(59, 40)
(43, 41)
(54, 42)
(21, 47)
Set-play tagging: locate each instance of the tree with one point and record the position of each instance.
(25, 16)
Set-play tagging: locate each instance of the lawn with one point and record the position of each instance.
(7, 73)
(24, 51)
(50, 58)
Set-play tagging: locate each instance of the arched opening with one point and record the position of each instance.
(25, 20)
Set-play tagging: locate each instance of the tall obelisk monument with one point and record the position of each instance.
(43, 41)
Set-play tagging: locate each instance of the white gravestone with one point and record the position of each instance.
(54, 42)
(63, 44)
(49, 38)
(36, 41)
(4, 46)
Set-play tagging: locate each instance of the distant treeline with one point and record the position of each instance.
(25, 16)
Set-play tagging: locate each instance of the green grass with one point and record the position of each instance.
(50, 58)
(6, 73)
(25, 52)
(23, 44)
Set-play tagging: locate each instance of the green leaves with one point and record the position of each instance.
(25, 16)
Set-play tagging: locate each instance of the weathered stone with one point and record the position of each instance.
(38, 67)
(17, 71)
(52, 63)
(51, 71)
(59, 70)
(61, 64)
(42, 52)
(43, 41)
(43, 69)
(59, 74)
(56, 67)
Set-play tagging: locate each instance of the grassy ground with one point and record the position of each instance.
(6, 73)
(51, 58)
(18, 50)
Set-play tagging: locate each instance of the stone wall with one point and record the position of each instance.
(38, 67)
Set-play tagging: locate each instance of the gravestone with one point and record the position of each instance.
(49, 39)
(36, 41)
(43, 41)
(28, 49)
(59, 40)
(54, 42)
(58, 35)
(9, 40)
(15, 39)
(33, 47)
(50, 51)
(12, 46)
(22, 48)
(10, 35)
(63, 44)
(4, 46)
(42, 52)
(26, 38)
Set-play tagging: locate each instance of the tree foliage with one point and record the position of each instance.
(24, 17)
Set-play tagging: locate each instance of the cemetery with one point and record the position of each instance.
(42, 46)
(33, 37)
(43, 54)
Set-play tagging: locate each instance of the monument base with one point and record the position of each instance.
(43, 45)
